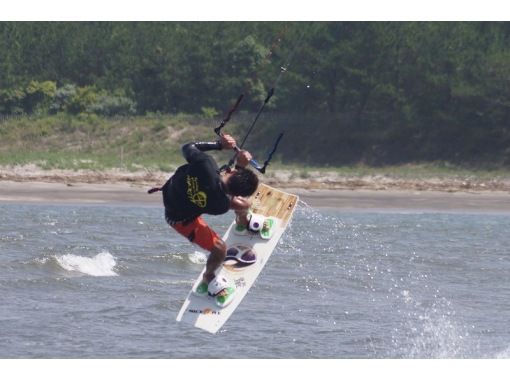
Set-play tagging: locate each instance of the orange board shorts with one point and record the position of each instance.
(197, 231)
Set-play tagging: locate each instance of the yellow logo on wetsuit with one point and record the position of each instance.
(194, 194)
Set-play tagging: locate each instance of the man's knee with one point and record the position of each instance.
(220, 247)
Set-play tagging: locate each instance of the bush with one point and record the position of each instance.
(10, 101)
(209, 112)
(88, 99)
(111, 105)
(63, 97)
(34, 97)
(38, 96)
(82, 100)
(45, 97)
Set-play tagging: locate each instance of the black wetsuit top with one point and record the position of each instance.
(195, 188)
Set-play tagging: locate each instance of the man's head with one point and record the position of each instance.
(241, 182)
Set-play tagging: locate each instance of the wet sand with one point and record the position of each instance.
(360, 200)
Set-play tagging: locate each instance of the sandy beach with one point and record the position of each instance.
(22, 184)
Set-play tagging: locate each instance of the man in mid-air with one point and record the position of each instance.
(198, 188)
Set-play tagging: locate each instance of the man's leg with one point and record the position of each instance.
(215, 259)
(199, 233)
(242, 217)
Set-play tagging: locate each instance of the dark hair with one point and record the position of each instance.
(243, 182)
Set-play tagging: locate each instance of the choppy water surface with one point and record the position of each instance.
(108, 281)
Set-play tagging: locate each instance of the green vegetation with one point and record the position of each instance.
(439, 170)
(153, 142)
(368, 94)
(93, 142)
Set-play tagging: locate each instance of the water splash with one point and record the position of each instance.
(100, 265)
(356, 254)
(431, 331)
(197, 257)
(505, 354)
(441, 337)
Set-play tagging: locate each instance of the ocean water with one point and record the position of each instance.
(95, 281)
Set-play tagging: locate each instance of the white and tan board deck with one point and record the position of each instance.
(202, 311)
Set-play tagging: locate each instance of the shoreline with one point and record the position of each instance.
(366, 200)
(282, 178)
(323, 189)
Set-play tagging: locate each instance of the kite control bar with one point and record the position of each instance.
(253, 162)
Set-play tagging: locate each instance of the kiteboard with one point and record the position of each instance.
(247, 253)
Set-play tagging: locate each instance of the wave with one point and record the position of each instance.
(100, 265)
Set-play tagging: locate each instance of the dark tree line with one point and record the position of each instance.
(374, 92)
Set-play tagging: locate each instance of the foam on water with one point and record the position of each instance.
(198, 257)
(100, 265)
(431, 330)
(505, 354)
(440, 337)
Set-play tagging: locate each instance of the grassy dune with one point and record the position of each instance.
(91, 142)
(153, 143)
